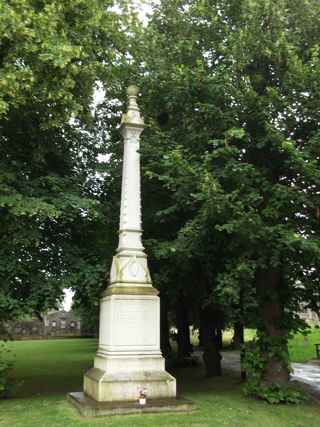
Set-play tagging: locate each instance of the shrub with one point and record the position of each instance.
(254, 364)
(6, 366)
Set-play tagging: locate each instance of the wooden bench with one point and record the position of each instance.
(317, 346)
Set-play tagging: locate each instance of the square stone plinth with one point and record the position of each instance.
(124, 386)
(91, 408)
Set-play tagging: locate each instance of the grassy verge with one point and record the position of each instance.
(50, 369)
(302, 347)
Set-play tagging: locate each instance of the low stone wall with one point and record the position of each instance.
(58, 324)
(26, 329)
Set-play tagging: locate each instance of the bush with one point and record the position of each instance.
(254, 364)
(6, 366)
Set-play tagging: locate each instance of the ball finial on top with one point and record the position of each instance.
(132, 90)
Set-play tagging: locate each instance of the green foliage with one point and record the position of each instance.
(230, 154)
(256, 356)
(274, 394)
(52, 50)
(52, 55)
(233, 173)
(6, 366)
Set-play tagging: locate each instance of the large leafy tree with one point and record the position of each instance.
(231, 94)
(52, 56)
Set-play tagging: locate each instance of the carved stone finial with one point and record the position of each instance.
(132, 90)
(132, 117)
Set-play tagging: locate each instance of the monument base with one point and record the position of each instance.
(90, 408)
(129, 361)
(126, 386)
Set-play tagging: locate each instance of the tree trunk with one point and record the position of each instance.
(270, 290)
(238, 335)
(219, 338)
(201, 332)
(243, 373)
(211, 355)
(164, 328)
(182, 323)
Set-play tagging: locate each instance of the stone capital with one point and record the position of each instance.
(132, 117)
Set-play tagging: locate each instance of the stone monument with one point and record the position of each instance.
(129, 362)
(129, 358)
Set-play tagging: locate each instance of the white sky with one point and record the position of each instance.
(143, 7)
(67, 302)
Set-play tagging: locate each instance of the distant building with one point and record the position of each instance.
(55, 324)
(310, 317)
(62, 324)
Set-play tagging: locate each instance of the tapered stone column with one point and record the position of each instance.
(129, 358)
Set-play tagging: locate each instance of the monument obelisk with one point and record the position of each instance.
(129, 359)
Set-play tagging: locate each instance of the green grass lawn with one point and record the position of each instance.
(49, 369)
(301, 348)
(51, 366)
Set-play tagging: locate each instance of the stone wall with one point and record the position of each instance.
(55, 324)
(26, 329)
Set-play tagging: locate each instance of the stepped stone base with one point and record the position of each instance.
(129, 359)
(91, 408)
(125, 386)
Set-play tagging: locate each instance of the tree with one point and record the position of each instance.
(231, 94)
(52, 55)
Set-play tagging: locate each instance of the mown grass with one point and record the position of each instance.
(51, 366)
(249, 334)
(49, 369)
(302, 347)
